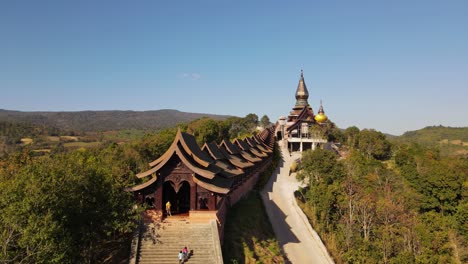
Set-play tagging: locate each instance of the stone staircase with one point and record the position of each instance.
(161, 242)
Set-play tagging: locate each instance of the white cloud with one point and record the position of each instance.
(195, 76)
(191, 76)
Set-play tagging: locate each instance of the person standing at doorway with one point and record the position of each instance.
(168, 208)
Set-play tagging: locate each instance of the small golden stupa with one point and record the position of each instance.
(321, 117)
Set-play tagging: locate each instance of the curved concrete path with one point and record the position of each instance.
(296, 237)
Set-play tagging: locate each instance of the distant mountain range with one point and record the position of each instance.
(105, 120)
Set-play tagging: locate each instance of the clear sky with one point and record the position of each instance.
(389, 65)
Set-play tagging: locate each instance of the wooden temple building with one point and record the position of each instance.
(298, 129)
(203, 182)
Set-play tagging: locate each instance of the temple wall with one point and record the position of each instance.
(238, 193)
(221, 219)
(244, 189)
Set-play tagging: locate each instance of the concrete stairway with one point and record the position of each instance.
(171, 236)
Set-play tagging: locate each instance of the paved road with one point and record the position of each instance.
(299, 241)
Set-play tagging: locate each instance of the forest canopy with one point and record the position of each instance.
(387, 203)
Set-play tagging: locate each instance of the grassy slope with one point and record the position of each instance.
(249, 237)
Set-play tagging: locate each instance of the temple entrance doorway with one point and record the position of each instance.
(183, 197)
(169, 195)
(178, 196)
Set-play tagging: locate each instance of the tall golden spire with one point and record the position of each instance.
(301, 93)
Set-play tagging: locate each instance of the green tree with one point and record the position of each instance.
(250, 121)
(323, 173)
(265, 121)
(352, 136)
(320, 165)
(61, 209)
(206, 130)
(237, 127)
(152, 146)
(374, 144)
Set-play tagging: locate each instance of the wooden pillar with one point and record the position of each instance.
(158, 195)
(193, 197)
(212, 202)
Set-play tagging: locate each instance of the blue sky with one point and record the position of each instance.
(390, 65)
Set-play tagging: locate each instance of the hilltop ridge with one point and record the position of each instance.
(450, 140)
(105, 120)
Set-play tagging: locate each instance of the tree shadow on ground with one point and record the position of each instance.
(248, 235)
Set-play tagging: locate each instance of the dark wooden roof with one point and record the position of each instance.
(236, 160)
(265, 136)
(251, 141)
(306, 115)
(258, 153)
(242, 144)
(214, 166)
(217, 185)
(260, 146)
(231, 148)
(194, 150)
(213, 150)
(246, 147)
(208, 172)
(228, 169)
(184, 145)
(234, 149)
(261, 142)
(142, 186)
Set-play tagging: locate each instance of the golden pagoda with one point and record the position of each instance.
(321, 117)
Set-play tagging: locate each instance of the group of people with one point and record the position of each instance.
(183, 255)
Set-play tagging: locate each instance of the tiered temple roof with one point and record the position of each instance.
(234, 149)
(261, 145)
(266, 136)
(229, 169)
(306, 115)
(246, 147)
(215, 167)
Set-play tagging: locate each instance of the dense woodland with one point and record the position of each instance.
(388, 202)
(68, 205)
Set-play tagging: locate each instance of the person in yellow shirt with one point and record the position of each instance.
(168, 208)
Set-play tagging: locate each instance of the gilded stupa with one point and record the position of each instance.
(321, 117)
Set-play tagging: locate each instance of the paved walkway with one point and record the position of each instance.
(299, 241)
